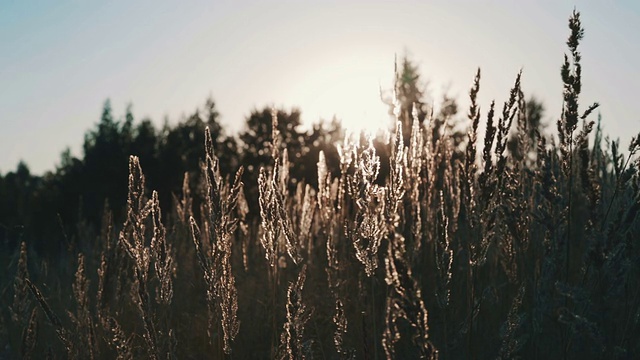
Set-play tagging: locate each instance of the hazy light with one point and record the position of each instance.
(348, 88)
(62, 59)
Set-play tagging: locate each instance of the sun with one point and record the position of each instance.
(349, 89)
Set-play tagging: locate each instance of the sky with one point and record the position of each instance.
(60, 60)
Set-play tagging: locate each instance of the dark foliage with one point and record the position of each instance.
(289, 244)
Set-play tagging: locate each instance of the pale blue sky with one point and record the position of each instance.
(59, 60)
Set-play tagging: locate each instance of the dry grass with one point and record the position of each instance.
(454, 253)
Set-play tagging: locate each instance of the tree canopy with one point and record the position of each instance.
(50, 210)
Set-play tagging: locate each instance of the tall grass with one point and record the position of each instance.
(449, 252)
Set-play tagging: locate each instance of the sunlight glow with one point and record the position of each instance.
(349, 89)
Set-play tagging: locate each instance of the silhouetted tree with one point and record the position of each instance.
(105, 171)
(180, 149)
(410, 90)
(15, 209)
(256, 145)
(257, 136)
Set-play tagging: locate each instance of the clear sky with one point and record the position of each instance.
(60, 60)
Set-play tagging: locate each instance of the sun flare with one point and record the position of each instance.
(348, 89)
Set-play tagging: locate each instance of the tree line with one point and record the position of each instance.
(54, 211)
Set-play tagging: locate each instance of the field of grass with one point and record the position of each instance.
(414, 248)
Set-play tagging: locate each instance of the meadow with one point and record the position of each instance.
(506, 243)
